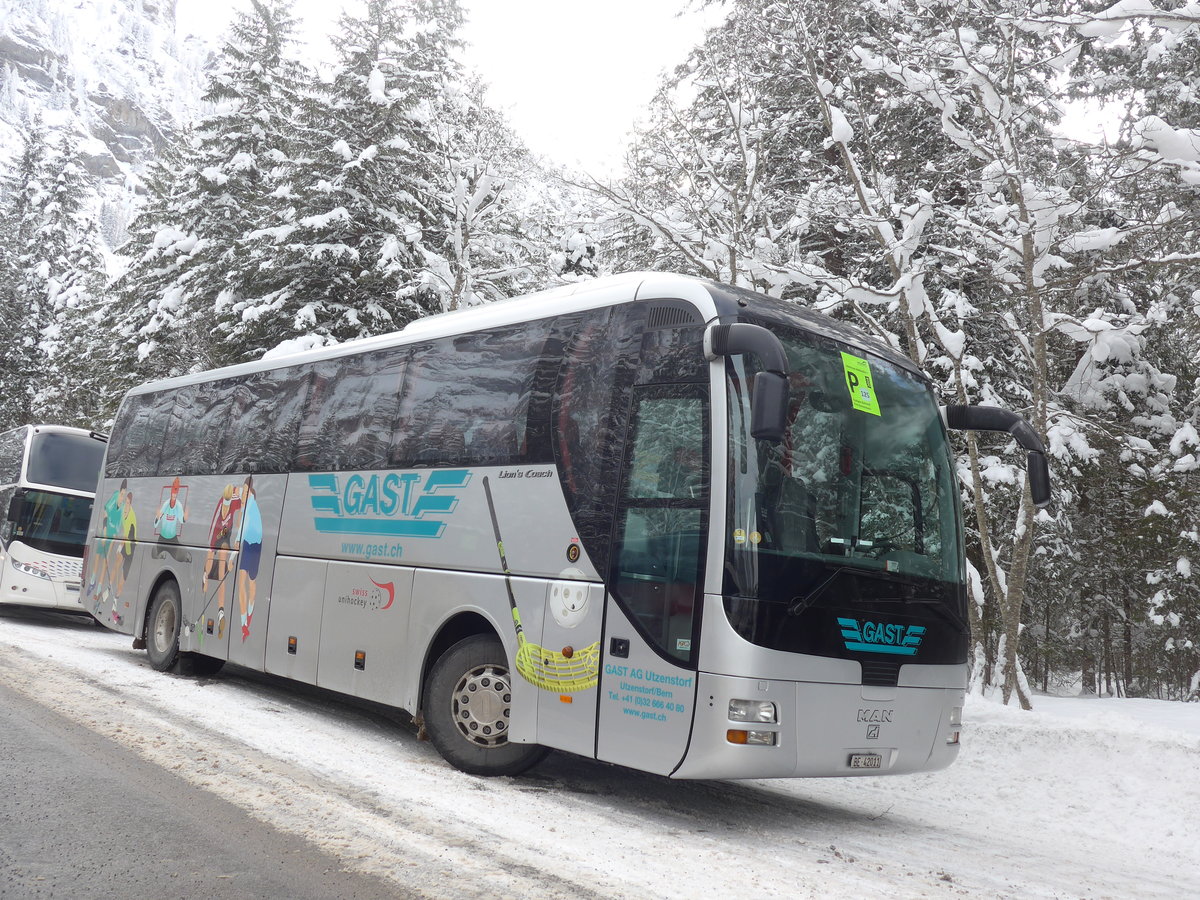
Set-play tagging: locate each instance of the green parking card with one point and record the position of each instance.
(860, 384)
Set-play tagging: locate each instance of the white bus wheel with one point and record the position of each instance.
(162, 627)
(466, 708)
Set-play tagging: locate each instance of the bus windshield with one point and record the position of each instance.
(856, 505)
(70, 461)
(51, 523)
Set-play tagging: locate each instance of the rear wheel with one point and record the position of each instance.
(466, 707)
(162, 627)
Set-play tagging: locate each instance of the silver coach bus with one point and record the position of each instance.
(48, 476)
(647, 519)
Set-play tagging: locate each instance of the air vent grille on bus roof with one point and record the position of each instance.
(880, 673)
(671, 315)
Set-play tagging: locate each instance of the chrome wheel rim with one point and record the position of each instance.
(164, 628)
(480, 705)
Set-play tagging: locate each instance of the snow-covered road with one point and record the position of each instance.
(1080, 798)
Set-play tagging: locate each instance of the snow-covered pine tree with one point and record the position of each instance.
(155, 327)
(74, 387)
(359, 210)
(23, 300)
(197, 271)
(1141, 62)
(489, 180)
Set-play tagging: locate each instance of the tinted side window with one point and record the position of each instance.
(347, 421)
(138, 435)
(187, 448)
(12, 451)
(590, 415)
(120, 447)
(266, 408)
(674, 356)
(467, 399)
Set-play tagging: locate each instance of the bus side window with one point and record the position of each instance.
(467, 399)
(350, 410)
(267, 407)
(12, 452)
(148, 433)
(589, 414)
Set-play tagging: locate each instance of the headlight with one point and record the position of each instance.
(956, 716)
(752, 711)
(753, 738)
(30, 570)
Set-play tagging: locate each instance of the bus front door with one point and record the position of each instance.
(648, 683)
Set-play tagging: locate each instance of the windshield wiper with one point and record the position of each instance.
(799, 604)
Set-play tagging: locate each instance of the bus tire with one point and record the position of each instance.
(466, 710)
(162, 627)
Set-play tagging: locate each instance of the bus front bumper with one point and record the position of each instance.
(20, 586)
(819, 729)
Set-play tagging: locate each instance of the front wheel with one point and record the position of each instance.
(466, 706)
(162, 627)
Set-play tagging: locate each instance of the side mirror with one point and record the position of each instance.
(1039, 479)
(15, 508)
(992, 418)
(768, 410)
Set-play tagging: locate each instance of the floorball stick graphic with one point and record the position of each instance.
(550, 670)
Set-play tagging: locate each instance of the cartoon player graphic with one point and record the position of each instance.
(220, 542)
(169, 521)
(252, 537)
(110, 527)
(121, 559)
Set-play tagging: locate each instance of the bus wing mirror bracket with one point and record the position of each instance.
(992, 418)
(768, 407)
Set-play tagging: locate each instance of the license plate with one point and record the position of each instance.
(866, 761)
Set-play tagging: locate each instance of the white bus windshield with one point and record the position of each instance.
(51, 523)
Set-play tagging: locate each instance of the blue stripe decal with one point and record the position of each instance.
(386, 527)
(443, 503)
(441, 478)
(882, 648)
(327, 505)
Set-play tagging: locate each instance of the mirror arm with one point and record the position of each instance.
(768, 414)
(992, 418)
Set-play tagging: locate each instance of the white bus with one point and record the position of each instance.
(48, 476)
(647, 519)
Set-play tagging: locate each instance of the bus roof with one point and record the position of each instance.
(712, 299)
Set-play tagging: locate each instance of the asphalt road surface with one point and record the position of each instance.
(83, 817)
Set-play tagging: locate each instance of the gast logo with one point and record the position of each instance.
(879, 637)
(391, 505)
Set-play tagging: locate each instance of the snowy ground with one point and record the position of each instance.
(1080, 798)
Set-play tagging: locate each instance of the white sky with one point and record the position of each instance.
(571, 76)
